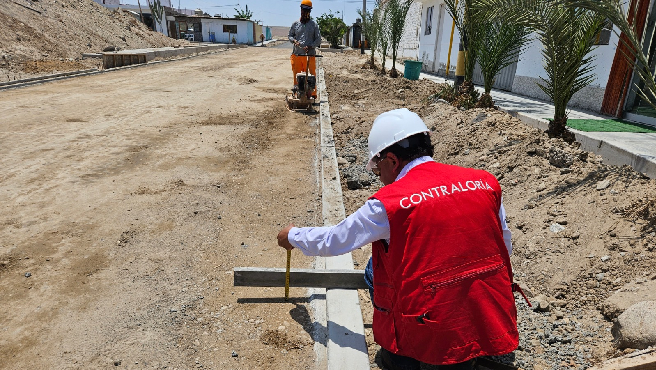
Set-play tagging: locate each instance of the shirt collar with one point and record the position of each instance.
(414, 163)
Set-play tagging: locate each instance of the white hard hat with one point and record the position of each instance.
(390, 128)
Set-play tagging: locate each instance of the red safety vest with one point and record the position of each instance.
(442, 287)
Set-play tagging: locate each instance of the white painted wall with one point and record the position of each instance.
(427, 42)
(430, 46)
(434, 48)
(530, 70)
(216, 25)
(409, 45)
(108, 2)
(531, 63)
(118, 2)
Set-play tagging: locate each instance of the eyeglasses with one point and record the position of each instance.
(375, 168)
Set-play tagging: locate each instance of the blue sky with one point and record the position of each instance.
(273, 12)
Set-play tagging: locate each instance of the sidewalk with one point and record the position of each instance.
(617, 148)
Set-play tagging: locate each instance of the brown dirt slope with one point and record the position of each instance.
(60, 31)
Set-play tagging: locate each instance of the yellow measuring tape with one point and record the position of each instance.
(289, 257)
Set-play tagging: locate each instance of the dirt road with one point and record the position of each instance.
(127, 199)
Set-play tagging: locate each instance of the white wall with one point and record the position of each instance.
(216, 26)
(530, 69)
(531, 63)
(427, 42)
(434, 48)
(430, 46)
(108, 2)
(409, 43)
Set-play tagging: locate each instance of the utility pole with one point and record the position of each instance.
(364, 16)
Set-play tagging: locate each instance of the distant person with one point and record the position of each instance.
(305, 36)
(440, 274)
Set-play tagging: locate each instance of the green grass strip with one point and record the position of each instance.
(608, 125)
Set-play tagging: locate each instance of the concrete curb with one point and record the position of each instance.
(539, 123)
(122, 58)
(346, 344)
(615, 153)
(618, 153)
(66, 75)
(48, 78)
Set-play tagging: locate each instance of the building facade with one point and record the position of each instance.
(520, 77)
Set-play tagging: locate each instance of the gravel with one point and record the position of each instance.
(548, 339)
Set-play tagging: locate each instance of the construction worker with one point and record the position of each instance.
(440, 273)
(304, 34)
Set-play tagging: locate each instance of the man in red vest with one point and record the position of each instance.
(440, 274)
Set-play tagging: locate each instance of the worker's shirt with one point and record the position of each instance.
(368, 224)
(307, 34)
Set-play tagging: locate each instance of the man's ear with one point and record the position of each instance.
(394, 160)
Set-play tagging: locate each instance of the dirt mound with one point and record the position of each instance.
(581, 230)
(59, 31)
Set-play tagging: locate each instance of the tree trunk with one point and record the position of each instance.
(393, 63)
(466, 87)
(485, 101)
(558, 126)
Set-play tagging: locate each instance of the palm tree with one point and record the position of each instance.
(500, 45)
(384, 37)
(467, 19)
(613, 10)
(371, 25)
(398, 10)
(568, 35)
(157, 11)
(243, 14)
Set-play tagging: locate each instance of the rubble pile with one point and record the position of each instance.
(48, 36)
(583, 234)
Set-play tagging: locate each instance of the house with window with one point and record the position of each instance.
(609, 93)
(225, 30)
(203, 28)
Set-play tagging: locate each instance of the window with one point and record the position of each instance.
(230, 29)
(603, 37)
(429, 20)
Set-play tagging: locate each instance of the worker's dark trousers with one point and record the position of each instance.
(396, 362)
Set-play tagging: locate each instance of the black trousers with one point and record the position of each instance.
(396, 362)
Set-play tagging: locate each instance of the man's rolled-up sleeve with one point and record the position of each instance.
(366, 225)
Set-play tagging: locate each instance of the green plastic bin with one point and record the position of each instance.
(411, 69)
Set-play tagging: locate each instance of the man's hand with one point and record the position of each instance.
(283, 241)
(306, 49)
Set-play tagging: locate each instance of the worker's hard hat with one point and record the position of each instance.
(392, 127)
(306, 4)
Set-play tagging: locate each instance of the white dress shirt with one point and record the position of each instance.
(366, 225)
